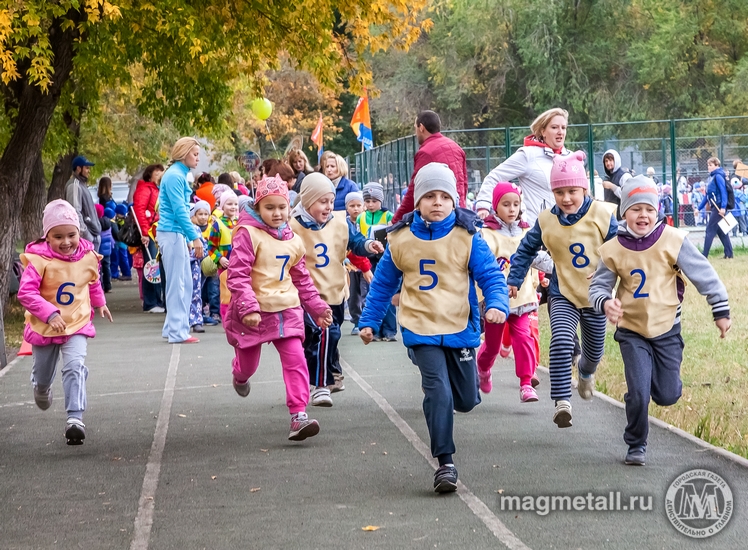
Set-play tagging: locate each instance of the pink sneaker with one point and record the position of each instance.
(484, 378)
(505, 351)
(527, 394)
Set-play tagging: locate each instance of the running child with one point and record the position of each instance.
(572, 231)
(437, 254)
(503, 233)
(60, 289)
(327, 237)
(269, 285)
(648, 259)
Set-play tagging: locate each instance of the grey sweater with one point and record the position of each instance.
(76, 193)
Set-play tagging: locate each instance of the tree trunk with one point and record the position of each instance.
(61, 174)
(33, 204)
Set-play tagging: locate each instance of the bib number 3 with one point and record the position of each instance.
(578, 259)
(428, 273)
(325, 259)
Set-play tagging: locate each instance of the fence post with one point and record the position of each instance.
(673, 167)
(508, 142)
(664, 168)
(399, 164)
(591, 156)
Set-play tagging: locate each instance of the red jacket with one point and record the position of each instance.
(436, 148)
(144, 203)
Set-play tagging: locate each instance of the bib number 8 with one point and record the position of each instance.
(578, 260)
(64, 298)
(427, 273)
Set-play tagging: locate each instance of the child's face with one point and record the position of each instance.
(640, 219)
(609, 163)
(508, 208)
(569, 199)
(201, 217)
(435, 206)
(273, 210)
(119, 217)
(64, 239)
(354, 208)
(231, 208)
(321, 209)
(373, 205)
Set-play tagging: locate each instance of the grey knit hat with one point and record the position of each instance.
(354, 196)
(373, 190)
(639, 190)
(435, 176)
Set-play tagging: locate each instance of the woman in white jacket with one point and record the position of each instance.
(530, 165)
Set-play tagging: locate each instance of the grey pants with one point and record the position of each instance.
(74, 372)
(652, 368)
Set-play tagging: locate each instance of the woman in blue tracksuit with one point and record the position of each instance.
(437, 255)
(716, 196)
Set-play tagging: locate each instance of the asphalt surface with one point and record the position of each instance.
(174, 459)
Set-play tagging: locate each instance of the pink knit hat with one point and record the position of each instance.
(568, 171)
(271, 186)
(501, 189)
(59, 212)
(226, 195)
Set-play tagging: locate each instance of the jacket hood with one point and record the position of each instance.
(248, 216)
(719, 171)
(493, 222)
(462, 217)
(43, 249)
(616, 161)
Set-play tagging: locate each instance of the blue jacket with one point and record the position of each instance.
(174, 197)
(532, 242)
(715, 189)
(482, 266)
(344, 187)
(356, 241)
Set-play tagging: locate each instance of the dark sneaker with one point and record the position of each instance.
(637, 456)
(198, 329)
(445, 479)
(43, 398)
(75, 431)
(389, 338)
(302, 427)
(242, 389)
(207, 320)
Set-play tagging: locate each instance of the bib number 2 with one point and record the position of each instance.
(578, 259)
(64, 298)
(638, 292)
(427, 273)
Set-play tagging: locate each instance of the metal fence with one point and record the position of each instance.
(678, 146)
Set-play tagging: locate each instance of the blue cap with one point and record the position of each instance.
(121, 209)
(80, 160)
(110, 204)
(108, 213)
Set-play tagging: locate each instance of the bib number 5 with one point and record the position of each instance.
(427, 273)
(64, 298)
(578, 259)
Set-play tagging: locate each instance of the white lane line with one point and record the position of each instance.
(476, 505)
(12, 364)
(144, 518)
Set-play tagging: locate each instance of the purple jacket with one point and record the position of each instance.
(288, 323)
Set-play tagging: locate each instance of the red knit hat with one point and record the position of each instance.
(568, 171)
(501, 189)
(271, 186)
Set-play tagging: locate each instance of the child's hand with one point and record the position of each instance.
(325, 320)
(251, 320)
(545, 282)
(723, 325)
(57, 324)
(367, 335)
(613, 310)
(512, 291)
(223, 262)
(396, 300)
(368, 276)
(105, 313)
(495, 316)
(377, 247)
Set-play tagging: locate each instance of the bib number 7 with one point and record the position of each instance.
(285, 258)
(428, 273)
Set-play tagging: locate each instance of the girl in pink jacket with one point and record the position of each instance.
(59, 289)
(269, 284)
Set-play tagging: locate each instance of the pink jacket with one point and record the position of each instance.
(288, 323)
(28, 294)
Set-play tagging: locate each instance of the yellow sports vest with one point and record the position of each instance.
(574, 249)
(648, 287)
(325, 254)
(65, 286)
(378, 218)
(502, 247)
(271, 271)
(436, 282)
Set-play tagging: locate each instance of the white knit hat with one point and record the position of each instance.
(435, 176)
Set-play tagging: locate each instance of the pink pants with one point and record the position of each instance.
(293, 362)
(525, 359)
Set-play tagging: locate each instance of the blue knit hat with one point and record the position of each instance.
(121, 209)
(108, 213)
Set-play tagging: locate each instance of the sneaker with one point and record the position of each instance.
(125, 278)
(445, 479)
(242, 389)
(216, 318)
(376, 338)
(190, 340)
(75, 431)
(208, 320)
(535, 381)
(527, 394)
(485, 381)
(321, 397)
(392, 338)
(355, 331)
(43, 398)
(504, 351)
(637, 456)
(198, 329)
(338, 385)
(585, 386)
(302, 427)
(157, 309)
(562, 416)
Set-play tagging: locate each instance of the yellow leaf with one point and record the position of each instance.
(370, 528)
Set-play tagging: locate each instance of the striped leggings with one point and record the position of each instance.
(565, 317)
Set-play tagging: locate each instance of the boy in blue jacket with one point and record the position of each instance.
(716, 196)
(436, 254)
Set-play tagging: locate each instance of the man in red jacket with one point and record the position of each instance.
(434, 148)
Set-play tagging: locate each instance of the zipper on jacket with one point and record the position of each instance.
(280, 316)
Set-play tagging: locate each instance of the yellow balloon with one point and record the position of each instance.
(262, 108)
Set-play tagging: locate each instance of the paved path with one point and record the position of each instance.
(174, 459)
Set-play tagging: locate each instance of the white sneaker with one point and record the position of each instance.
(585, 386)
(562, 416)
(321, 397)
(157, 309)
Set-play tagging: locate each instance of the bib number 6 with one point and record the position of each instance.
(427, 273)
(64, 298)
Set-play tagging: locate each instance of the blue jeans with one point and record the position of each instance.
(176, 264)
(211, 294)
(712, 230)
